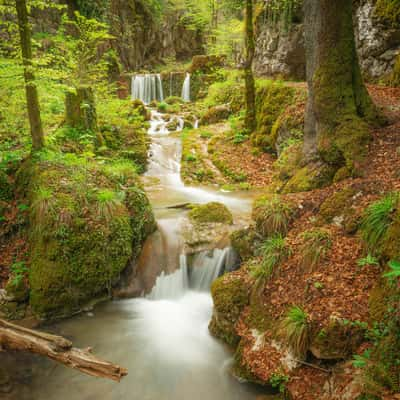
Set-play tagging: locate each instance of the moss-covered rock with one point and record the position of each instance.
(244, 242)
(338, 340)
(83, 231)
(211, 212)
(272, 215)
(230, 295)
(206, 63)
(215, 114)
(338, 208)
(6, 189)
(312, 176)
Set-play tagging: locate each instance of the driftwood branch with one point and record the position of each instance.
(14, 337)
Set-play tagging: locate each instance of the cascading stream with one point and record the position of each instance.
(163, 338)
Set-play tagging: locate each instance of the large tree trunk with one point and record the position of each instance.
(339, 108)
(30, 86)
(14, 337)
(250, 120)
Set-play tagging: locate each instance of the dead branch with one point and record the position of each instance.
(14, 337)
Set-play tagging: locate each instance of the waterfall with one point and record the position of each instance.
(206, 267)
(186, 88)
(147, 88)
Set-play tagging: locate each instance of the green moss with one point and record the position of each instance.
(388, 10)
(81, 238)
(211, 212)
(310, 177)
(244, 242)
(271, 100)
(215, 114)
(230, 295)
(338, 340)
(395, 78)
(337, 204)
(6, 189)
(391, 239)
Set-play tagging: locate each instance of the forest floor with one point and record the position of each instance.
(340, 286)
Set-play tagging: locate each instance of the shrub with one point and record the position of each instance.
(272, 216)
(294, 330)
(377, 219)
(274, 251)
(162, 107)
(316, 244)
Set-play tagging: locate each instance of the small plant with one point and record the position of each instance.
(274, 251)
(377, 219)
(294, 330)
(162, 107)
(190, 158)
(319, 285)
(23, 207)
(316, 244)
(18, 269)
(361, 361)
(109, 203)
(369, 260)
(279, 381)
(272, 216)
(394, 272)
(239, 137)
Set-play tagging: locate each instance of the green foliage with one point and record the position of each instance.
(19, 270)
(369, 260)
(274, 251)
(295, 331)
(361, 361)
(109, 204)
(394, 272)
(162, 107)
(279, 381)
(272, 215)
(316, 244)
(281, 12)
(376, 221)
(389, 10)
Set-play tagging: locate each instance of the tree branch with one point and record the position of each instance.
(14, 337)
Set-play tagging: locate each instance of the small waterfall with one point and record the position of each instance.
(206, 267)
(186, 88)
(147, 88)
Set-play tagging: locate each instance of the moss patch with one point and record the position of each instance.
(211, 212)
(83, 230)
(230, 295)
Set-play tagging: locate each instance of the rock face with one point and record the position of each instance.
(282, 53)
(142, 40)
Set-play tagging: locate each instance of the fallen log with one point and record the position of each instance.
(14, 337)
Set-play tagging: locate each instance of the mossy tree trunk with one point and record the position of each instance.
(250, 119)
(339, 108)
(30, 86)
(80, 109)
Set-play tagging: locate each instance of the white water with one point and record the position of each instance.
(186, 88)
(147, 88)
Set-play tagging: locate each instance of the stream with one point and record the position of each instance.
(163, 338)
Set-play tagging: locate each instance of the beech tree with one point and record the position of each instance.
(32, 99)
(339, 109)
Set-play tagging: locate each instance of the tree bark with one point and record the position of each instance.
(30, 86)
(339, 109)
(14, 337)
(250, 119)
